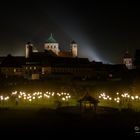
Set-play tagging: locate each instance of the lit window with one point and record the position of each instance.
(26, 68)
(43, 70)
(34, 68)
(110, 75)
(30, 68)
(14, 70)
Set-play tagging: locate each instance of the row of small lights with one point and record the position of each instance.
(119, 97)
(4, 98)
(36, 95)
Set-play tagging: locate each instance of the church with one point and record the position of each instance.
(52, 46)
(57, 64)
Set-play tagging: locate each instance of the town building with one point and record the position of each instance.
(54, 63)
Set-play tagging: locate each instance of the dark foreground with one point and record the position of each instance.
(69, 121)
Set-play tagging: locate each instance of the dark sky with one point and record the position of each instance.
(103, 30)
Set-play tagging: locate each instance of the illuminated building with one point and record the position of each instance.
(127, 60)
(54, 63)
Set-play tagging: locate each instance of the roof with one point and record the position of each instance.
(88, 98)
(69, 62)
(1, 59)
(48, 58)
(51, 39)
(13, 61)
(127, 55)
(65, 54)
(73, 42)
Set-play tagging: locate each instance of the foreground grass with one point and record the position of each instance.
(68, 120)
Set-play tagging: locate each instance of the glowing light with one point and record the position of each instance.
(6, 98)
(1, 97)
(19, 96)
(14, 93)
(132, 97)
(136, 97)
(118, 101)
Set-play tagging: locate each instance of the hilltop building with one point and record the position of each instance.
(54, 63)
(127, 60)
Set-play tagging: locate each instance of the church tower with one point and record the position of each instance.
(127, 60)
(73, 47)
(28, 49)
(52, 45)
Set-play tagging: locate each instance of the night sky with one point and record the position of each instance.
(104, 31)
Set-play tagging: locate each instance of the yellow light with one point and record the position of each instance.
(128, 96)
(6, 98)
(14, 93)
(132, 97)
(136, 97)
(1, 97)
(122, 95)
(117, 93)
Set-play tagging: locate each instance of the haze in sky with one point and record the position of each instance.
(104, 31)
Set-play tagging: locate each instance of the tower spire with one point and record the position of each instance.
(51, 35)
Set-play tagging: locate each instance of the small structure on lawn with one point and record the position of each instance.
(88, 102)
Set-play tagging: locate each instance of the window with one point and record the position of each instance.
(30, 68)
(34, 68)
(43, 70)
(110, 75)
(14, 70)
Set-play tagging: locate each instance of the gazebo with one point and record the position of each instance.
(88, 102)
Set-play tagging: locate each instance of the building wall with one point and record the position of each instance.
(46, 70)
(11, 71)
(52, 46)
(128, 62)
